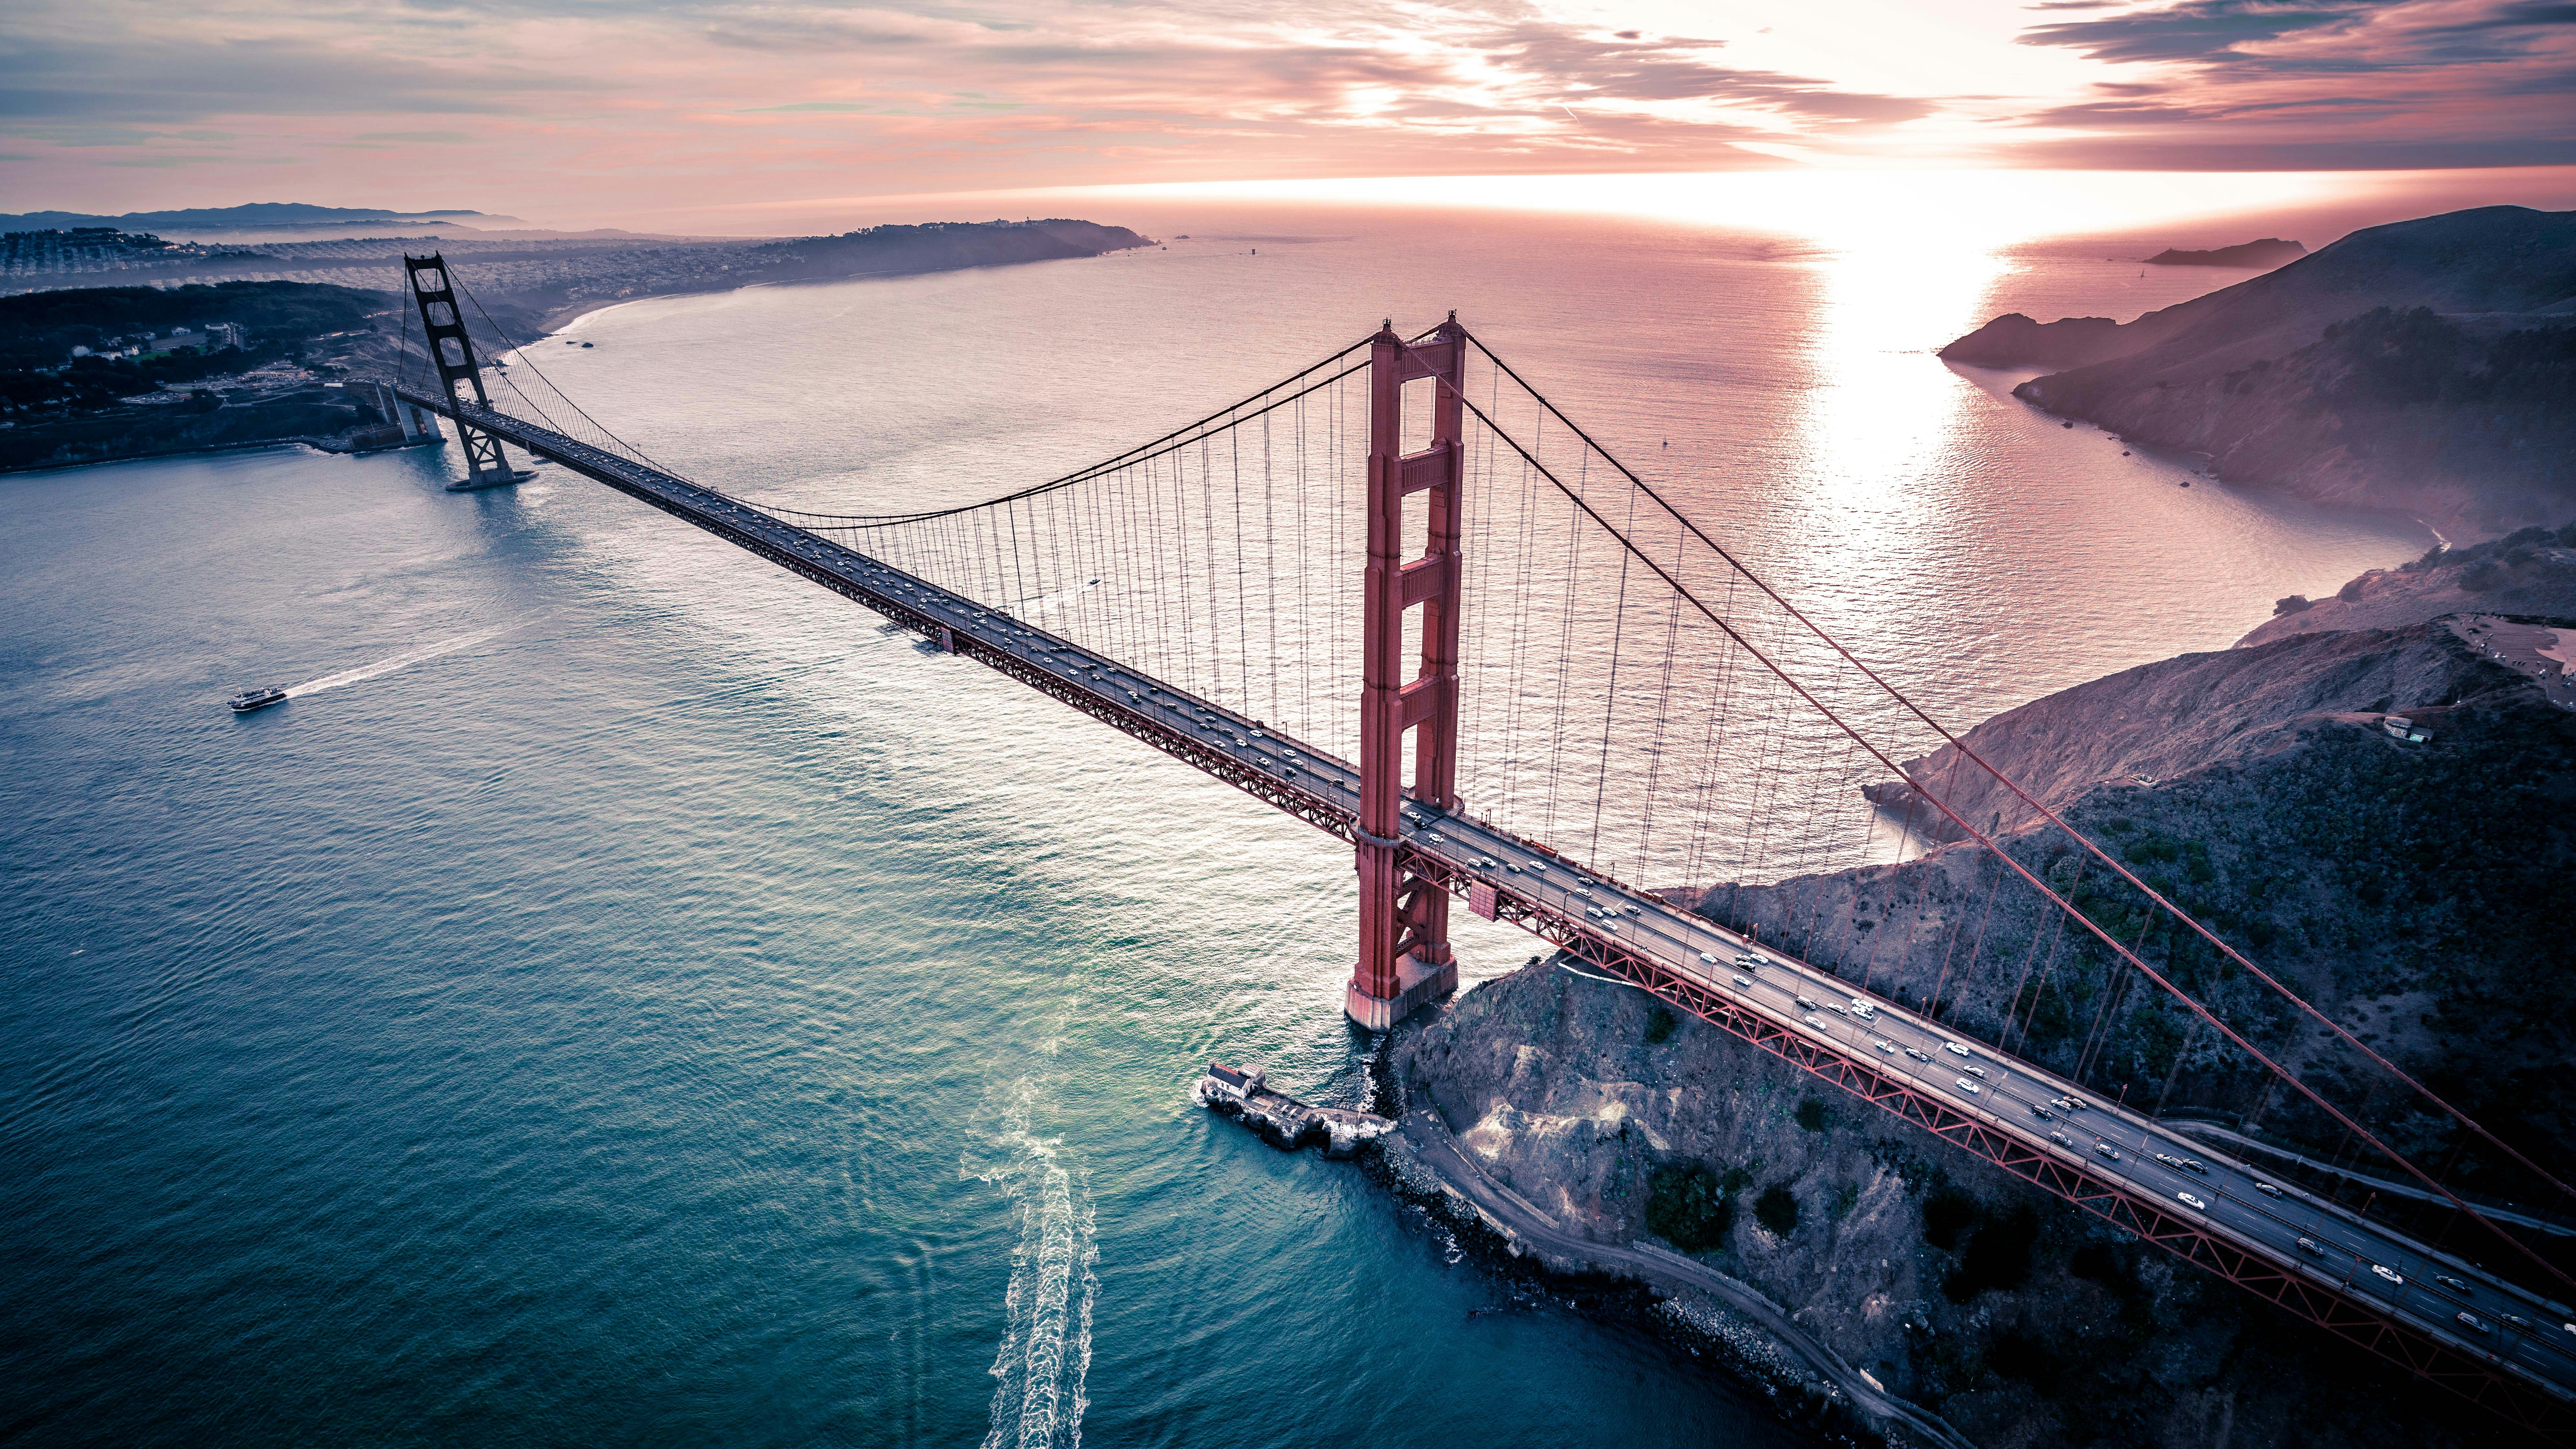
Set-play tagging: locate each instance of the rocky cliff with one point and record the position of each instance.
(2427, 366)
(2413, 890)
(2410, 890)
(2531, 571)
(2016, 1318)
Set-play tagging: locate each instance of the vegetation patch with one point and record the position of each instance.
(1691, 1207)
(1997, 1257)
(1777, 1210)
(1947, 1214)
(1661, 1023)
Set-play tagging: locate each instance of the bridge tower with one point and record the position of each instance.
(1404, 956)
(452, 352)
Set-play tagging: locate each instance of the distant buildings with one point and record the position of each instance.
(215, 337)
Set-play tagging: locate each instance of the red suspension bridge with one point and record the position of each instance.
(1403, 597)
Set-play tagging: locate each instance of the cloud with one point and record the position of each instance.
(2326, 84)
(735, 99)
(173, 81)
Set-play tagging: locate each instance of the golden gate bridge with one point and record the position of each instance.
(1403, 597)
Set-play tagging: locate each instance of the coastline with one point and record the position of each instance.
(555, 320)
(549, 323)
(1695, 1305)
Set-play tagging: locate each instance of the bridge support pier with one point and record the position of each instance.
(1404, 955)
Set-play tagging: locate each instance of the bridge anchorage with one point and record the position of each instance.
(1575, 660)
(451, 351)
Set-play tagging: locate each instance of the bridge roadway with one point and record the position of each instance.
(2306, 1254)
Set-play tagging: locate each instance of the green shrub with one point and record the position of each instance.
(1811, 1115)
(1660, 1025)
(1947, 1214)
(1689, 1207)
(1777, 1210)
(1997, 1257)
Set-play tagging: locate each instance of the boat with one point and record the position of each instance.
(251, 699)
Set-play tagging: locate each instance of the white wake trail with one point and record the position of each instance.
(398, 661)
(1044, 1359)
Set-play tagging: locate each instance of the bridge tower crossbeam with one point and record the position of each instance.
(1404, 955)
(451, 351)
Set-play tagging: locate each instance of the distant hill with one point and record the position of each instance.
(39, 329)
(2427, 366)
(2265, 254)
(257, 215)
(2530, 572)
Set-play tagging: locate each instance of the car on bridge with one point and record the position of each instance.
(1743, 980)
(2447, 1281)
(2042, 1113)
(2267, 1189)
(2106, 1150)
(1707, 959)
(1971, 1088)
(2310, 1247)
(2475, 1323)
(2195, 1204)
(1954, 1049)
(2388, 1273)
(1918, 1056)
(1888, 1047)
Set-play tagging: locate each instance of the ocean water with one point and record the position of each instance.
(627, 996)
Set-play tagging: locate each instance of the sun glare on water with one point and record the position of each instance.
(1917, 211)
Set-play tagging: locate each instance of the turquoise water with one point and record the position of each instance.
(611, 1030)
(625, 996)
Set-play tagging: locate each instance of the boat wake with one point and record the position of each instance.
(1045, 1356)
(399, 661)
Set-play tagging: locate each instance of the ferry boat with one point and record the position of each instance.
(251, 699)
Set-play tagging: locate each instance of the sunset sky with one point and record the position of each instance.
(582, 112)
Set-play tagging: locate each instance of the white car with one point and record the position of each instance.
(1811, 1021)
(2193, 1203)
(1706, 959)
(1743, 980)
(2388, 1273)
(1954, 1049)
(1887, 1047)
(1969, 1087)
(1976, 1071)
(1864, 1010)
